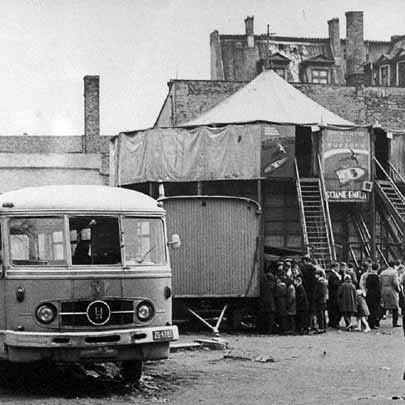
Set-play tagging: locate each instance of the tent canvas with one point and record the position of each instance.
(269, 98)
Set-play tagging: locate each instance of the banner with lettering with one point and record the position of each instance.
(346, 161)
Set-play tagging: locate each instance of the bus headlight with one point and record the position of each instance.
(144, 311)
(46, 313)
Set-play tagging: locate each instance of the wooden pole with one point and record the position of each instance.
(261, 230)
(373, 223)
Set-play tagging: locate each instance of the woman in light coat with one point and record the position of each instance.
(390, 291)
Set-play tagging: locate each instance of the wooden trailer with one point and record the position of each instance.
(217, 269)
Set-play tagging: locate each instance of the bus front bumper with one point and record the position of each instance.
(148, 343)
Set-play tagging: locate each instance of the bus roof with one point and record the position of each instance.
(77, 198)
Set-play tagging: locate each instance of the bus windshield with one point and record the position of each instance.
(93, 240)
(143, 241)
(37, 241)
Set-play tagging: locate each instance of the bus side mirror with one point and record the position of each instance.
(175, 242)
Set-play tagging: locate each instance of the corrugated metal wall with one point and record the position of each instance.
(219, 238)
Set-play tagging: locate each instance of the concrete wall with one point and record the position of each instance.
(19, 170)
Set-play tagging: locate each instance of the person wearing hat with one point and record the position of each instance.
(280, 299)
(334, 281)
(309, 281)
(302, 307)
(268, 306)
(347, 299)
(373, 295)
(390, 288)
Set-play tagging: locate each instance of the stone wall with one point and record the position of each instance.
(361, 105)
(193, 97)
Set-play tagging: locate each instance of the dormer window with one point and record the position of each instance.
(319, 75)
(277, 62)
(316, 69)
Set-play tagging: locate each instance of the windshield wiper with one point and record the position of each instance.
(140, 259)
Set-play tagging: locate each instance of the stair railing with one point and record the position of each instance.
(363, 232)
(353, 255)
(391, 181)
(325, 206)
(394, 170)
(301, 208)
(379, 250)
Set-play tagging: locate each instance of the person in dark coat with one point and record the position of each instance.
(402, 285)
(291, 306)
(302, 307)
(334, 282)
(268, 306)
(308, 280)
(320, 300)
(390, 288)
(281, 303)
(347, 300)
(373, 296)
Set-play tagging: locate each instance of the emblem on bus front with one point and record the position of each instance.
(97, 288)
(98, 313)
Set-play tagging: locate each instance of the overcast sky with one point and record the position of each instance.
(136, 47)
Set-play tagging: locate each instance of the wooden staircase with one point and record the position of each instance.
(315, 219)
(390, 196)
(392, 199)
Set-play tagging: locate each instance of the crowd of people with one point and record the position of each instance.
(300, 297)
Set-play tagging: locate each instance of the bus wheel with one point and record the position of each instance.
(131, 370)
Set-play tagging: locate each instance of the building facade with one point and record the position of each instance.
(332, 60)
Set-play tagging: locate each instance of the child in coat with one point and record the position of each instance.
(320, 300)
(347, 300)
(362, 311)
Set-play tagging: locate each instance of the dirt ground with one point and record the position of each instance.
(338, 367)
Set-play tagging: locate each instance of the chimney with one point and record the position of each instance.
(250, 31)
(216, 62)
(355, 49)
(249, 25)
(91, 114)
(334, 37)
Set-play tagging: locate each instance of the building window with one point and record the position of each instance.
(385, 75)
(401, 74)
(280, 72)
(319, 76)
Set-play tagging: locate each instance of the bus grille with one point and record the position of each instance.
(74, 313)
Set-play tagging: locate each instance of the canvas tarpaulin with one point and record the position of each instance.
(179, 155)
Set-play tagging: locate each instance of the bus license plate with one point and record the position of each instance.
(162, 334)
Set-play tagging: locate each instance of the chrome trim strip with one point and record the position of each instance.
(78, 339)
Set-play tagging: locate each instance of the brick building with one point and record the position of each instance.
(330, 60)
(40, 160)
